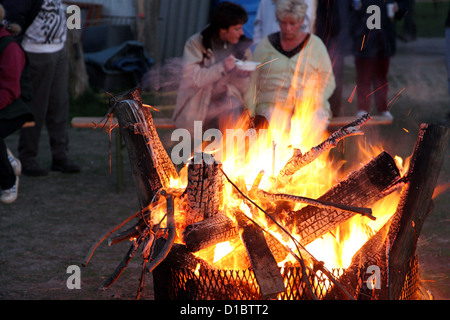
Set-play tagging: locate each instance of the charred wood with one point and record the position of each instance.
(316, 203)
(393, 247)
(361, 188)
(299, 160)
(262, 260)
(204, 188)
(208, 232)
(416, 201)
(150, 163)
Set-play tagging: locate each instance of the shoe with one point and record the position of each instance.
(10, 195)
(15, 163)
(32, 169)
(360, 113)
(387, 114)
(65, 166)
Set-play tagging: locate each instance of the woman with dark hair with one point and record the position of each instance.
(212, 88)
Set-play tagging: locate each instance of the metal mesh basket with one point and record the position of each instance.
(209, 284)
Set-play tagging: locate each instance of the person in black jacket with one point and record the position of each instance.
(374, 42)
(332, 27)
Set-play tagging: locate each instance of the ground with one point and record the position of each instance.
(57, 218)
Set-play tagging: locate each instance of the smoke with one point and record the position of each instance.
(164, 78)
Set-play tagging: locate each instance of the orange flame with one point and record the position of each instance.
(245, 154)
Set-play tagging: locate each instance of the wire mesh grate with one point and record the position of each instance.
(210, 284)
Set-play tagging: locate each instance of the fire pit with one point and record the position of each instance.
(215, 232)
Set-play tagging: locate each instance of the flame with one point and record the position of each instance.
(221, 250)
(245, 154)
(269, 152)
(336, 249)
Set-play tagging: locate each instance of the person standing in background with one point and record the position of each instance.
(21, 12)
(373, 47)
(332, 27)
(44, 42)
(15, 104)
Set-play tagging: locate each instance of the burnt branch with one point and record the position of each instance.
(299, 160)
(361, 188)
(171, 234)
(316, 203)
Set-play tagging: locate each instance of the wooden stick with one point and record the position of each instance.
(316, 203)
(126, 259)
(95, 245)
(423, 173)
(171, 234)
(261, 258)
(254, 189)
(151, 165)
(299, 160)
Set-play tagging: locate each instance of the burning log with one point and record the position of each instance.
(263, 263)
(372, 253)
(208, 232)
(204, 188)
(361, 188)
(151, 165)
(393, 247)
(299, 160)
(316, 203)
(416, 201)
(220, 228)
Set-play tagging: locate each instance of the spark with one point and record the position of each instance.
(266, 63)
(396, 97)
(149, 106)
(384, 85)
(350, 100)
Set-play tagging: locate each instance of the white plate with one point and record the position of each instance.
(247, 65)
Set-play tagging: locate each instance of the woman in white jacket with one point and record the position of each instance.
(295, 68)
